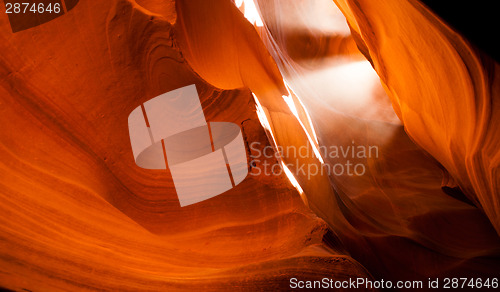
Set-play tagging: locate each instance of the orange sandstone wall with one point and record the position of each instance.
(444, 90)
(76, 213)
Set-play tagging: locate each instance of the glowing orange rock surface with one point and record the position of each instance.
(396, 219)
(77, 213)
(444, 90)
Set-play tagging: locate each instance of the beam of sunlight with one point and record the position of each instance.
(291, 104)
(250, 11)
(289, 101)
(294, 182)
(354, 89)
(261, 114)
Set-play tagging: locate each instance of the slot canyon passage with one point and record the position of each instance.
(394, 111)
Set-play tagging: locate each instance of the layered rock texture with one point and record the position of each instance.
(77, 213)
(410, 215)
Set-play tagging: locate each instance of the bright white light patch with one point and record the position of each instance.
(250, 11)
(289, 100)
(294, 182)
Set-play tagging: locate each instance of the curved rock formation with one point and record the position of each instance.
(443, 89)
(77, 213)
(399, 219)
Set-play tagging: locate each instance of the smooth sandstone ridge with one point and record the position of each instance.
(77, 213)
